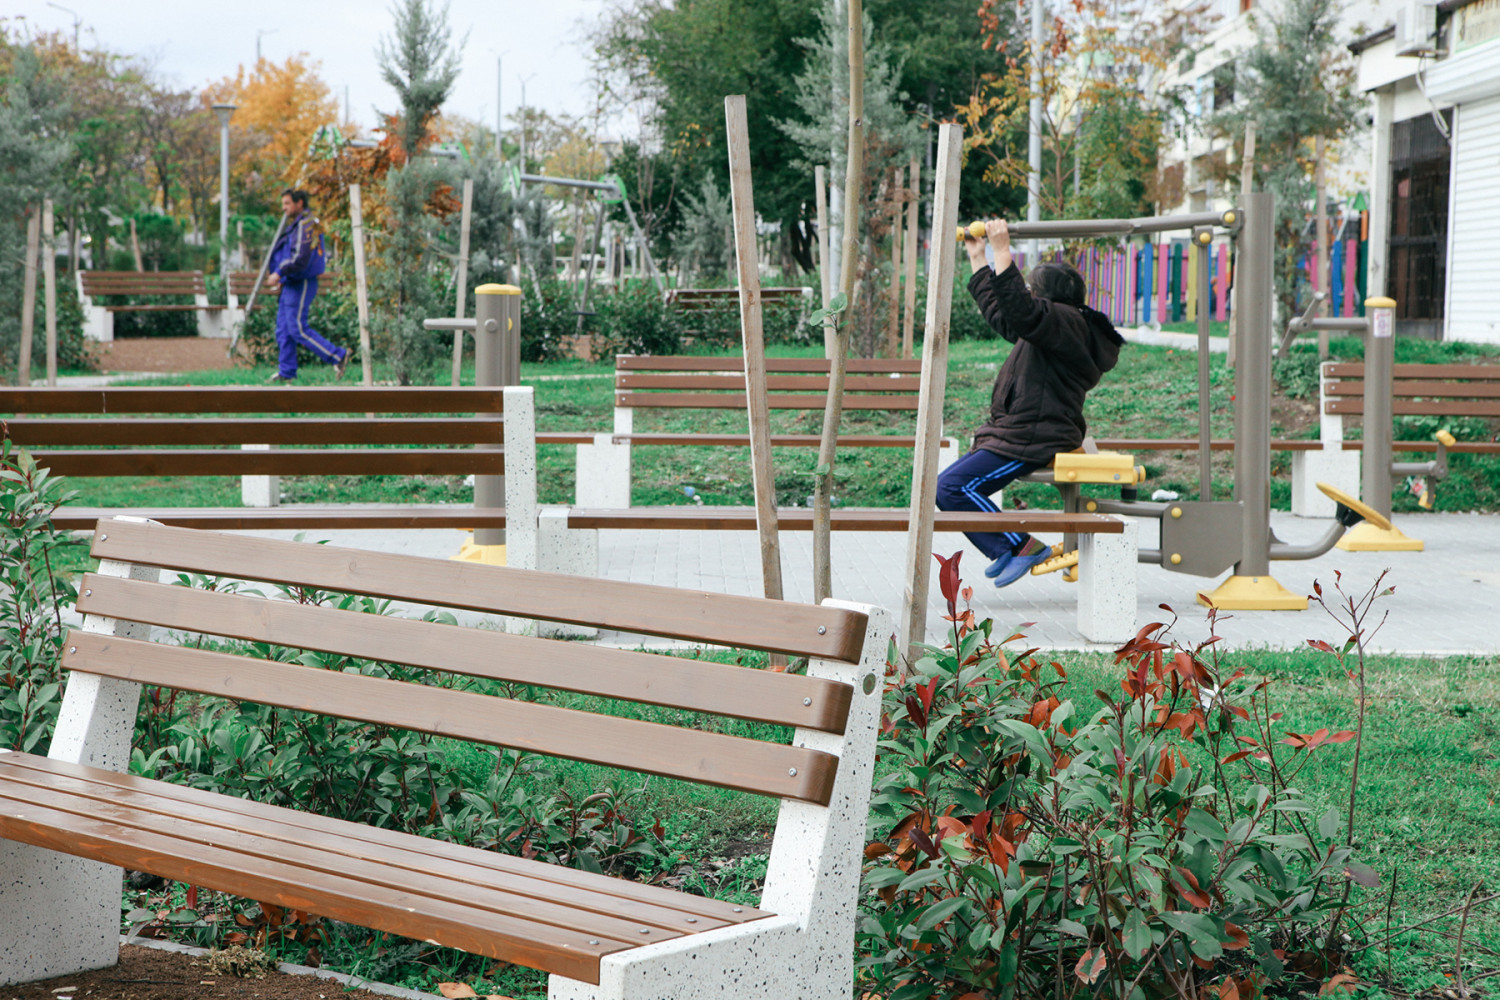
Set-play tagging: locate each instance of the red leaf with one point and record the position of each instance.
(1090, 966)
(1320, 645)
(948, 579)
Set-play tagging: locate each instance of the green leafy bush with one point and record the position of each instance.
(1155, 846)
(32, 595)
(634, 320)
(1297, 372)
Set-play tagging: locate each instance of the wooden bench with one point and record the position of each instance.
(99, 318)
(1439, 390)
(267, 432)
(71, 821)
(696, 299)
(675, 382)
(242, 283)
(568, 540)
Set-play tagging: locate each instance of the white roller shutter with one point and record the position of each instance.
(1473, 307)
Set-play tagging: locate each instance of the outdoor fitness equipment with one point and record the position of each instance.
(1206, 537)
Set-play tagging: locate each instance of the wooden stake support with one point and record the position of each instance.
(898, 215)
(361, 292)
(748, 266)
(463, 277)
(914, 186)
(913, 617)
(28, 297)
(49, 287)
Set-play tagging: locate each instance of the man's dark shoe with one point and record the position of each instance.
(279, 379)
(338, 369)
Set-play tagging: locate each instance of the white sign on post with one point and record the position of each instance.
(1384, 322)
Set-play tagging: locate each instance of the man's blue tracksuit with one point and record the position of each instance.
(297, 258)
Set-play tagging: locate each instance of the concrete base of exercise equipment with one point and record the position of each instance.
(1252, 593)
(1368, 537)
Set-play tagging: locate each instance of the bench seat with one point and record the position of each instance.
(555, 919)
(310, 517)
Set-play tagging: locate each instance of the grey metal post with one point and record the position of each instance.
(1380, 359)
(1034, 129)
(1204, 239)
(224, 112)
(1252, 385)
(497, 362)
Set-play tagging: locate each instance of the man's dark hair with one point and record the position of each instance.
(297, 194)
(1059, 281)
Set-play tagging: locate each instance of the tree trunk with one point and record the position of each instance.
(834, 408)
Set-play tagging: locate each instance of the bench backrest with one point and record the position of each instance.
(242, 283)
(823, 775)
(722, 298)
(152, 283)
(191, 431)
(1442, 390)
(687, 382)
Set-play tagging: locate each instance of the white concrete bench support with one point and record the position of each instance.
(1107, 581)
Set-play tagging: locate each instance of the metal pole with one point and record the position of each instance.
(1380, 359)
(225, 112)
(1067, 228)
(1204, 239)
(1034, 131)
(49, 288)
(1252, 384)
(588, 281)
(497, 333)
(462, 280)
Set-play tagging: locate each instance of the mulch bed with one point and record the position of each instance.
(151, 974)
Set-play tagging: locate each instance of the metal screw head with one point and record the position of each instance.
(822, 629)
(103, 538)
(88, 593)
(593, 940)
(645, 930)
(807, 701)
(72, 649)
(791, 771)
(739, 909)
(692, 920)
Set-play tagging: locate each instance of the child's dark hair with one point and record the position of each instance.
(1059, 281)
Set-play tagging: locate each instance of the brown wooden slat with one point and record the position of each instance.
(277, 462)
(722, 619)
(1191, 444)
(1343, 369)
(564, 437)
(690, 363)
(697, 518)
(252, 399)
(1461, 448)
(777, 440)
(736, 401)
(523, 941)
(803, 383)
(310, 517)
(668, 751)
(144, 431)
(675, 682)
(1422, 387)
(563, 883)
(164, 307)
(317, 857)
(1420, 407)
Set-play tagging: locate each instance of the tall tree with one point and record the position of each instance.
(1297, 82)
(420, 64)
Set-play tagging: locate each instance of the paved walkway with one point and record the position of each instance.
(1446, 600)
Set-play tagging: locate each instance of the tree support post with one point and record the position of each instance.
(463, 277)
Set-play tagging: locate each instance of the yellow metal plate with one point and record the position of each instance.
(1115, 468)
(1359, 507)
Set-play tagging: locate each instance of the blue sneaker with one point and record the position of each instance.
(994, 568)
(1020, 564)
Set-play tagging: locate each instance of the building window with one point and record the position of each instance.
(1223, 86)
(1419, 217)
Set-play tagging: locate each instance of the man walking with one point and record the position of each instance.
(296, 261)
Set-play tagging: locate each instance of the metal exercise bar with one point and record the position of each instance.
(1203, 239)
(1065, 228)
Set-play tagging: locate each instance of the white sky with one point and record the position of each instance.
(193, 42)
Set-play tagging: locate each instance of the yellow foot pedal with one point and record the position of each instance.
(490, 555)
(1060, 560)
(1114, 468)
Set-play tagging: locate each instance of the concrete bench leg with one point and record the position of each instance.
(259, 491)
(98, 324)
(603, 474)
(564, 550)
(1334, 466)
(1107, 578)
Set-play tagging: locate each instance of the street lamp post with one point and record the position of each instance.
(224, 111)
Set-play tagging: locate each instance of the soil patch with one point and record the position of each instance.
(151, 974)
(164, 354)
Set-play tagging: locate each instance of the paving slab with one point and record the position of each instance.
(1446, 600)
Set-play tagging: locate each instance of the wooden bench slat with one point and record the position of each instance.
(777, 440)
(165, 308)
(1191, 444)
(277, 462)
(1355, 369)
(800, 630)
(560, 949)
(681, 363)
(1422, 387)
(320, 854)
(674, 682)
(561, 883)
(252, 399)
(671, 752)
(313, 517)
(736, 401)
(1460, 448)
(803, 383)
(255, 430)
(1419, 407)
(698, 518)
